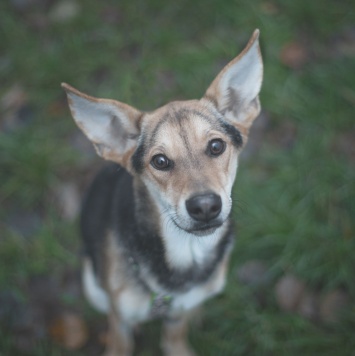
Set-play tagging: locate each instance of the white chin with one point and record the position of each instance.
(204, 232)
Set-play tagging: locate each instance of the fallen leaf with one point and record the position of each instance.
(294, 55)
(69, 330)
(14, 98)
(308, 306)
(269, 8)
(17, 110)
(57, 108)
(332, 304)
(288, 291)
(64, 11)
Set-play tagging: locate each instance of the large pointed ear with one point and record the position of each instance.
(112, 126)
(235, 90)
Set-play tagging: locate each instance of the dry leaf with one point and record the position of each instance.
(308, 306)
(69, 330)
(289, 290)
(14, 98)
(64, 11)
(294, 55)
(332, 304)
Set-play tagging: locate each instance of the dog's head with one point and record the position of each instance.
(186, 153)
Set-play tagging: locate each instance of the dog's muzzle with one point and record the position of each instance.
(204, 208)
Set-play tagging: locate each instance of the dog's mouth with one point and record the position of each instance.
(205, 229)
(202, 229)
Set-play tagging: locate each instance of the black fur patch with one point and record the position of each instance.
(138, 157)
(96, 211)
(234, 134)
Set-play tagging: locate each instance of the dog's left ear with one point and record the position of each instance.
(112, 126)
(235, 90)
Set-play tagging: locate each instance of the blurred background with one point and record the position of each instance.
(291, 287)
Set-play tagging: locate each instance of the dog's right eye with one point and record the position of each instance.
(216, 147)
(161, 162)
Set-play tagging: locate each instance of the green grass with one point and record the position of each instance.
(294, 206)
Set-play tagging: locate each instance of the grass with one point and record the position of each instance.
(295, 204)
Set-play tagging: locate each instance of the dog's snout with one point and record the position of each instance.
(204, 207)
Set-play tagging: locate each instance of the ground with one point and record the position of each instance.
(291, 284)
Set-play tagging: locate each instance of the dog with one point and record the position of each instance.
(156, 221)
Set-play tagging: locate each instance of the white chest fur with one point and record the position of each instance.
(183, 250)
(134, 305)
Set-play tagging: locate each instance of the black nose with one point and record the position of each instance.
(204, 207)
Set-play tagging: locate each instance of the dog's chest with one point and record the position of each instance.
(149, 299)
(138, 305)
(184, 251)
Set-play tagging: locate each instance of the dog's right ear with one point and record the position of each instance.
(235, 90)
(112, 126)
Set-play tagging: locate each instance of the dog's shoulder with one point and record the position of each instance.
(96, 216)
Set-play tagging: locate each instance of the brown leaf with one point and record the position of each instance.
(294, 55)
(289, 290)
(64, 11)
(17, 111)
(308, 305)
(269, 8)
(57, 108)
(14, 98)
(69, 330)
(331, 305)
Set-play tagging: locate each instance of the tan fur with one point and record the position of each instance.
(114, 275)
(174, 338)
(181, 131)
(193, 173)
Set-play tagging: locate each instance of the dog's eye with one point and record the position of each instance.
(161, 162)
(216, 147)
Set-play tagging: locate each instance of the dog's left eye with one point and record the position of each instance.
(161, 162)
(216, 147)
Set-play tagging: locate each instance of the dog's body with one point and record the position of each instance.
(156, 223)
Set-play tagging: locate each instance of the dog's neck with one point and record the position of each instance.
(183, 250)
(176, 258)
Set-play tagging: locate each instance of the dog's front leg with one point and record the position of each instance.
(120, 336)
(174, 339)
